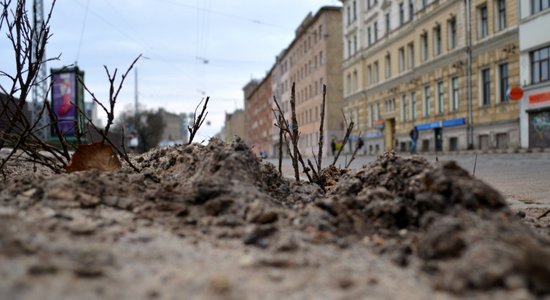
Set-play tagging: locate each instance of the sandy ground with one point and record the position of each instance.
(213, 222)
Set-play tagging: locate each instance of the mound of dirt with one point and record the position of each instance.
(436, 219)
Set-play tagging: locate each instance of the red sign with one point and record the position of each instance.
(515, 93)
(539, 98)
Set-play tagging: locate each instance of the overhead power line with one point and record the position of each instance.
(242, 18)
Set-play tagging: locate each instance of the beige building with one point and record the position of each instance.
(407, 64)
(314, 58)
(234, 126)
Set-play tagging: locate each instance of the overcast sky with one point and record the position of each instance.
(196, 48)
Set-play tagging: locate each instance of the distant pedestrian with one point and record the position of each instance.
(360, 143)
(333, 146)
(414, 137)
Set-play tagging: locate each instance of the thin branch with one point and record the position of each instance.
(321, 132)
(346, 138)
(357, 147)
(197, 121)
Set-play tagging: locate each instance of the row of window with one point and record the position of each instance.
(310, 91)
(409, 102)
(482, 28)
(304, 71)
(539, 5)
(302, 48)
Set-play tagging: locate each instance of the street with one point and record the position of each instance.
(523, 178)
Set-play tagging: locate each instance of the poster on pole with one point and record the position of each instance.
(66, 101)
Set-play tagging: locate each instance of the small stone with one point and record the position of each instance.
(247, 261)
(88, 272)
(30, 192)
(275, 275)
(42, 269)
(125, 203)
(7, 212)
(110, 201)
(82, 228)
(88, 201)
(345, 283)
(61, 194)
(258, 235)
(220, 284)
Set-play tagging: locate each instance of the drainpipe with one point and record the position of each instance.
(470, 124)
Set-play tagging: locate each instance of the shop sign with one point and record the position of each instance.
(539, 98)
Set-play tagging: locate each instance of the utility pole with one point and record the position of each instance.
(470, 124)
(40, 88)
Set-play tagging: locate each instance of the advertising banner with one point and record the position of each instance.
(64, 102)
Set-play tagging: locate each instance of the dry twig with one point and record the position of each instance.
(349, 128)
(197, 121)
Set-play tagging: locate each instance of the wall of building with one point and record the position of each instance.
(310, 61)
(389, 95)
(535, 105)
(235, 126)
(259, 117)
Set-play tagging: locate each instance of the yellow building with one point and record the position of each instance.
(407, 64)
(313, 59)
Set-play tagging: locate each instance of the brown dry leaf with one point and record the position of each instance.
(96, 156)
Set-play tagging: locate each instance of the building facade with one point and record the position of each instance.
(259, 116)
(235, 126)
(535, 73)
(442, 66)
(313, 59)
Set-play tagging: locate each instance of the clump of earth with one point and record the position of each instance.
(216, 222)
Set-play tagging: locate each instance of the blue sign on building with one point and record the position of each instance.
(441, 124)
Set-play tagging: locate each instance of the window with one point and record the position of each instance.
(369, 40)
(539, 5)
(401, 13)
(354, 81)
(388, 66)
(371, 115)
(411, 9)
(375, 31)
(440, 97)
(486, 87)
(410, 54)
(354, 44)
(375, 76)
(503, 82)
(501, 14)
(424, 45)
(424, 3)
(349, 47)
(369, 75)
(540, 65)
(388, 23)
(413, 106)
(451, 25)
(427, 100)
(401, 59)
(454, 94)
(349, 15)
(321, 59)
(437, 40)
(348, 89)
(483, 26)
(354, 10)
(404, 108)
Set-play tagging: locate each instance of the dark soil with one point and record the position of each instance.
(436, 230)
